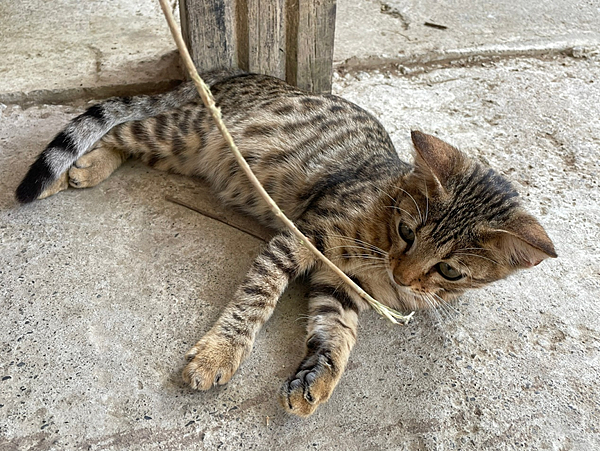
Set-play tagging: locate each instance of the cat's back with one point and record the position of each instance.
(308, 150)
(305, 148)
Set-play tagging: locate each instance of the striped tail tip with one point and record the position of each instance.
(37, 179)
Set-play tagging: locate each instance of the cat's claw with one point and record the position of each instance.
(302, 393)
(212, 361)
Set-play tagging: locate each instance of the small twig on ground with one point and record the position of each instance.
(216, 217)
(215, 112)
(435, 25)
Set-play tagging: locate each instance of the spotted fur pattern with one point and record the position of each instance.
(413, 236)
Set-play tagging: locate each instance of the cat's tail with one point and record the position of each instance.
(80, 135)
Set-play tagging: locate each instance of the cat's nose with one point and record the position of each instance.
(409, 279)
(399, 281)
(407, 272)
(403, 279)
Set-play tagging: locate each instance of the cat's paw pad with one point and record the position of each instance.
(302, 393)
(212, 361)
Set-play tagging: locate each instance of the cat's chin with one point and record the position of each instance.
(414, 300)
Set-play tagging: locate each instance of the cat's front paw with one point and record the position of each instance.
(312, 385)
(212, 361)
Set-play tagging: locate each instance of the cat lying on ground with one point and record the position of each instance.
(412, 236)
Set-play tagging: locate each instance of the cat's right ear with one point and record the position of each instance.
(435, 159)
(522, 242)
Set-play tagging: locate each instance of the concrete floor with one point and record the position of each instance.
(104, 290)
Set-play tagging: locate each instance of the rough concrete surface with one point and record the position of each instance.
(373, 32)
(68, 49)
(103, 291)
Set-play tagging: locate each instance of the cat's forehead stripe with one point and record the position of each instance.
(481, 197)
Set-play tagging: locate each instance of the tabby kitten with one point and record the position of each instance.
(412, 236)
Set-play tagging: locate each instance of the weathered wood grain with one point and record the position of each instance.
(289, 39)
(314, 44)
(208, 27)
(266, 37)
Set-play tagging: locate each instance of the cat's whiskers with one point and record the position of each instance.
(415, 202)
(433, 309)
(410, 297)
(443, 313)
(403, 210)
(368, 262)
(358, 241)
(434, 302)
(348, 256)
(349, 246)
(369, 265)
(413, 301)
(446, 304)
(373, 262)
(382, 191)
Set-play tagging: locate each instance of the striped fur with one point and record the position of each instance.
(412, 236)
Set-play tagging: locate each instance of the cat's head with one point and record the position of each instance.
(458, 225)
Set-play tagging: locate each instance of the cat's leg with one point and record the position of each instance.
(216, 357)
(332, 324)
(95, 166)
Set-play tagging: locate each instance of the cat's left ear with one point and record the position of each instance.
(435, 159)
(522, 241)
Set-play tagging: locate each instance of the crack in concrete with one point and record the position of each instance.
(83, 94)
(98, 56)
(419, 64)
(408, 66)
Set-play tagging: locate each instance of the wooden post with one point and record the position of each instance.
(289, 39)
(312, 42)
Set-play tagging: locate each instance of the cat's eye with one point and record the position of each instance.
(448, 272)
(406, 233)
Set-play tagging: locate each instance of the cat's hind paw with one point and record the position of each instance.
(94, 167)
(312, 385)
(212, 361)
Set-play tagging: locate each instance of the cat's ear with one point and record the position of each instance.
(522, 242)
(436, 159)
